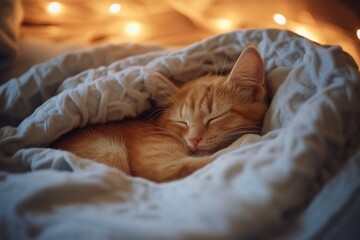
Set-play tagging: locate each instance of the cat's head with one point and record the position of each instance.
(211, 112)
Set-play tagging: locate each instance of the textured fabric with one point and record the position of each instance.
(312, 120)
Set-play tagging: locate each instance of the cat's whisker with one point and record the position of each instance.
(166, 111)
(223, 67)
(165, 100)
(172, 94)
(159, 100)
(215, 71)
(158, 110)
(248, 128)
(252, 129)
(168, 94)
(155, 147)
(156, 113)
(238, 132)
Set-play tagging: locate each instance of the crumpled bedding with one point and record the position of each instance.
(51, 194)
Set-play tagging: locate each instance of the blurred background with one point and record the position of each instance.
(47, 28)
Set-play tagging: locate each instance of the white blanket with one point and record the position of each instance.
(313, 118)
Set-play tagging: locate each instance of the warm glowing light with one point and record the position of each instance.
(306, 33)
(279, 19)
(114, 8)
(224, 24)
(133, 28)
(54, 7)
(358, 33)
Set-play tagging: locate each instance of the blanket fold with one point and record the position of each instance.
(312, 119)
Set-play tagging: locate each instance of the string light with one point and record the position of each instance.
(133, 28)
(114, 8)
(279, 19)
(54, 7)
(224, 24)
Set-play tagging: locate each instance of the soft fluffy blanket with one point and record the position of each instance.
(313, 120)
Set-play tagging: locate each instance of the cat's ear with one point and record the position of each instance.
(248, 74)
(248, 69)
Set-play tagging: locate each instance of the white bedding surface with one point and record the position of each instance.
(312, 122)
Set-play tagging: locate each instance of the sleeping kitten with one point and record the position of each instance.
(205, 116)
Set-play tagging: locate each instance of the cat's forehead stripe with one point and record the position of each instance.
(204, 98)
(191, 101)
(182, 110)
(202, 102)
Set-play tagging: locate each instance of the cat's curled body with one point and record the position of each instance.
(204, 117)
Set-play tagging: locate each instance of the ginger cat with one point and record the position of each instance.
(205, 116)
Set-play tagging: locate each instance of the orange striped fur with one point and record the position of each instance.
(205, 116)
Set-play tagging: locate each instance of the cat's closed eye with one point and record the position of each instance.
(181, 123)
(214, 119)
(205, 116)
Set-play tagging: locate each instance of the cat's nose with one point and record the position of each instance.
(195, 140)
